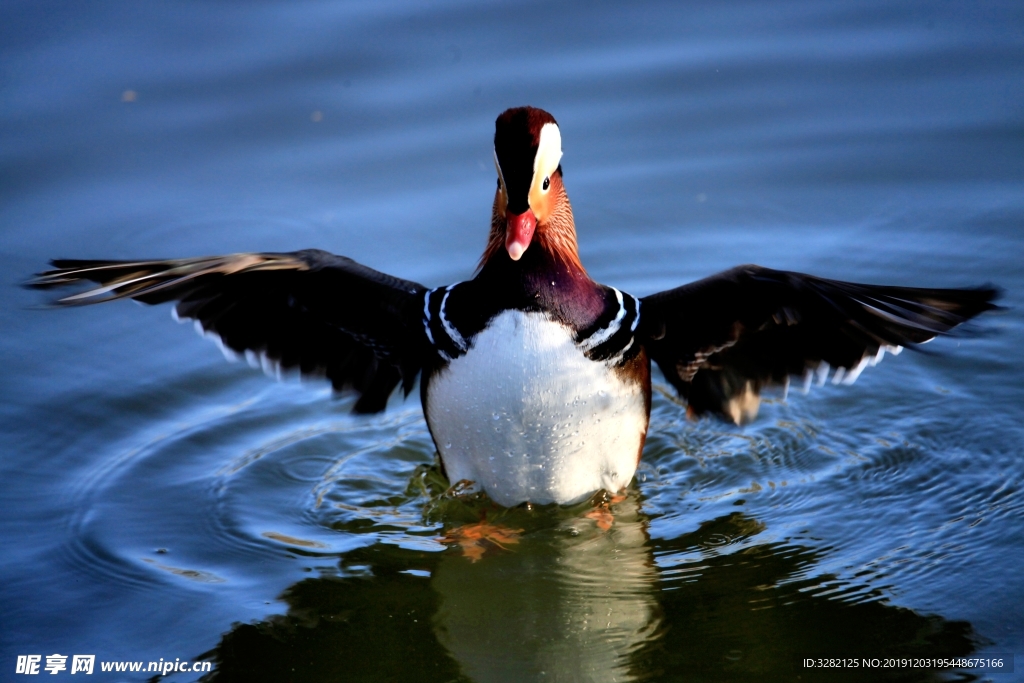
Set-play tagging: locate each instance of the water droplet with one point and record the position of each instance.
(495, 416)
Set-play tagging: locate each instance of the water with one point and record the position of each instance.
(161, 503)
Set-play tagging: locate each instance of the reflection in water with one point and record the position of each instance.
(373, 626)
(567, 603)
(755, 613)
(574, 602)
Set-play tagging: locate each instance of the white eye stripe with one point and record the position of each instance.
(549, 153)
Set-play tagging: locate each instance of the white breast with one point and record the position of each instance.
(527, 417)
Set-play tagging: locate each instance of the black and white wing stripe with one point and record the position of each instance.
(443, 336)
(311, 311)
(720, 340)
(611, 338)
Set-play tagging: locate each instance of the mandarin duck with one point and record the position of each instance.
(535, 380)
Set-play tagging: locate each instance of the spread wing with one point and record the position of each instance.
(320, 314)
(720, 340)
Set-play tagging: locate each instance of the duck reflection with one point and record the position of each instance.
(573, 600)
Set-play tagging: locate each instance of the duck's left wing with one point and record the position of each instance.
(312, 311)
(720, 340)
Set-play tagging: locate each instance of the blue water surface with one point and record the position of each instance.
(159, 502)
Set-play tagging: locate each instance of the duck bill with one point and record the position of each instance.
(519, 233)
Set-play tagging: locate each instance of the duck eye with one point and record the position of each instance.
(547, 183)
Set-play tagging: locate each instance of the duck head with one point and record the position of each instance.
(531, 209)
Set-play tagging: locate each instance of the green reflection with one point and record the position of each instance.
(756, 612)
(569, 602)
(372, 628)
(577, 600)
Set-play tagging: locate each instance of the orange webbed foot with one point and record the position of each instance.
(602, 514)
(474, 539)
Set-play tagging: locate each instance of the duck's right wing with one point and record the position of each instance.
(312, 311)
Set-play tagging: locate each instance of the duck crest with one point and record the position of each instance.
(517, 139)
